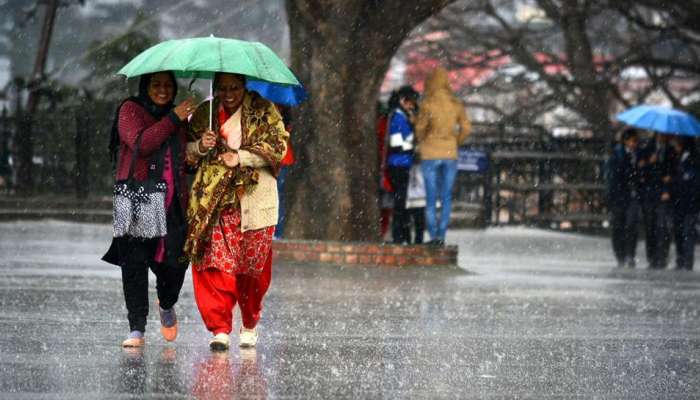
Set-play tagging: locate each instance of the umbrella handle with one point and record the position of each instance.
(211, 97)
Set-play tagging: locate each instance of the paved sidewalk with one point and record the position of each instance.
(530, 314)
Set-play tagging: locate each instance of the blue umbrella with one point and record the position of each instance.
(290, 95)
(661, 119)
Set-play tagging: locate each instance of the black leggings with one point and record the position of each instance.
(169, 280)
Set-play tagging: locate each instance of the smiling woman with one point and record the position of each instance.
(233, 206)
(148, 142)
(161, 89)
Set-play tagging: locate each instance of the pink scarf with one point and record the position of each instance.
(169, 178)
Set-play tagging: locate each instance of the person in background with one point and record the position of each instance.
(623, 197)
(685, 198)
(386, 200)
(655, 169)
(438, 139)
(287, 161)
(400, 157)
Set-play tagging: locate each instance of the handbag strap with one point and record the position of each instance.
(175, 160)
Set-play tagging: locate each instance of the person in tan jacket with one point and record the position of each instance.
(441, 126)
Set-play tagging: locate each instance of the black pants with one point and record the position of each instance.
(400, 225)
(169, 280)
(625, 224)
(685, 235)
(657, 229)
(417, 215)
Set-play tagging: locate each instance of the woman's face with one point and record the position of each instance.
(230, 89)
(408, 104)
(161, 88)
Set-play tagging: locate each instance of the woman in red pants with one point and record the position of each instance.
(233, 207)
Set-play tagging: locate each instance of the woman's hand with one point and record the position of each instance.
(184, 109)
(208, 141)
(230, 159)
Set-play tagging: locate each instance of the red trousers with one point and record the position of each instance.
(217, 292)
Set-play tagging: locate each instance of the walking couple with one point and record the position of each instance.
(223, 225)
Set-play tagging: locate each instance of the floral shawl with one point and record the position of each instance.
(215, 185)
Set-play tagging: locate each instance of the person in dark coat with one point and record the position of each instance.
(685, 186)
(623, 198)
(400, 158)
(655, 169)
(161, 125)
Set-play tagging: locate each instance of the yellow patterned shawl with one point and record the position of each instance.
(217, 186)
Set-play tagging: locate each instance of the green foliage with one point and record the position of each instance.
(106, 57)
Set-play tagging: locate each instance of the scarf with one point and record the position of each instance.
(217, 186)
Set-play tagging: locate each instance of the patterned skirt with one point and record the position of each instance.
(236, 252)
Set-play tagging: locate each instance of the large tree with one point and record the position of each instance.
(572, 55)
(341, 50)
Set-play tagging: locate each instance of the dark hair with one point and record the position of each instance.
(393, 101)
(217, 76)
(407, 92)
(629, 133)
(688, 144)
(404, 92)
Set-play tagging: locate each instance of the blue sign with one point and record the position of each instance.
(472, 160)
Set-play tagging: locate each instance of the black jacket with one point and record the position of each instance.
(652, 174)
(685, 186)
(623, 178)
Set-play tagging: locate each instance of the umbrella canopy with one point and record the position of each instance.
(290, 95)
(203, 56)
(661, 119)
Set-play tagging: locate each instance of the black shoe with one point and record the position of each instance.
(436, 243)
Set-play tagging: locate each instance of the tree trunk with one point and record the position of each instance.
(341, 51)
(25, 180)
(593, 97)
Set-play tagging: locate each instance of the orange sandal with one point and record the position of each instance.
(169, 332)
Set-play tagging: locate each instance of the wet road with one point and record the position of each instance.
(530, 314)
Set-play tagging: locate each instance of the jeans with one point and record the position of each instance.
(439, 176)
(279, 229)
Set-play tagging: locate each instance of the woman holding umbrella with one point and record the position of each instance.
(149, 131)
(233, 206)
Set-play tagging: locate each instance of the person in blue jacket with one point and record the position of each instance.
(400, 157)
(623, 198)
(686, 201)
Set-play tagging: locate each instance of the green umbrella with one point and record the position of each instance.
(202, 57)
